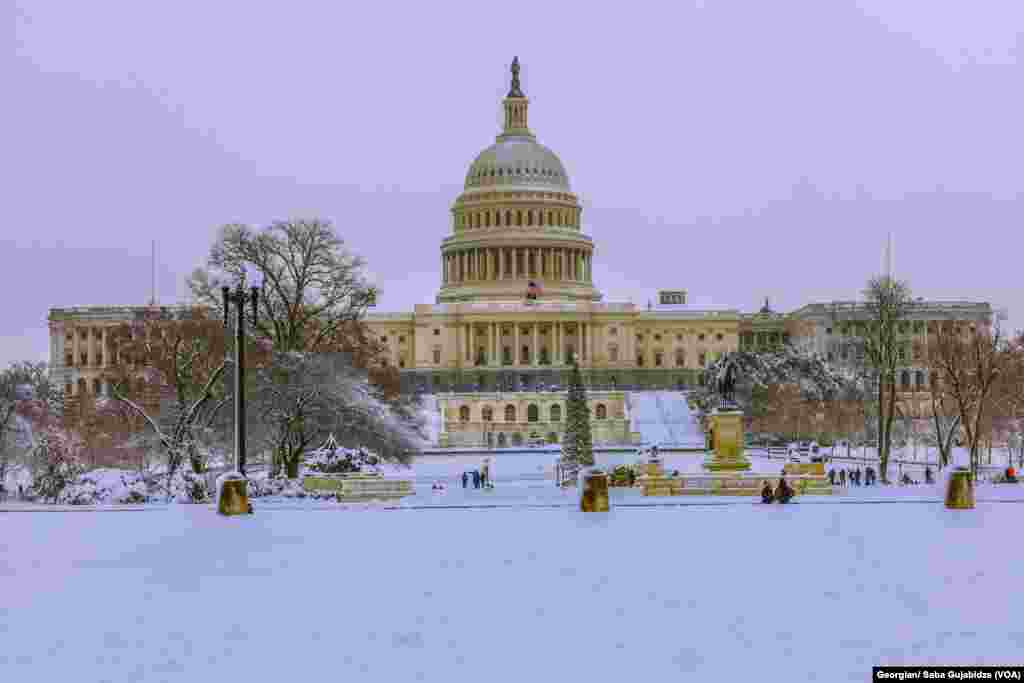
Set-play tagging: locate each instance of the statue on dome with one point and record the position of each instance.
(515, 90)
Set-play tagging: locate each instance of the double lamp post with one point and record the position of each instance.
(240, 297)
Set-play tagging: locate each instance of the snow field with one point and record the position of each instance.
(800, 592)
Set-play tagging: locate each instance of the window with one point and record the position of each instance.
(657, 337)
(510, 413)
(401, 362)
(556, 413)
(601, 412)
(700, 336)
(401, 340)
(67, 389)
(828, 330)
(437, 332)
(920, 379)
(84, 358)
(464, 414)
(532, 413)
(901, 354)
(702, 359)
(680, 358)
(679, 337)
(640, 359)
(718, 337)
(613, 354)
(437, 356)
(384, 339)
(658, 358)
(905, 379)
(487, 414)
(525, 356)
(506, 355)
(612, 332)
(69, 360)
(639, 337)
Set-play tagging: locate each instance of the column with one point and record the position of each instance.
(558, 343)
(500, 255)
(536, 262)
(104, 361)
(494, 344)
(590, 343)
(472, 345)
(561, 264)
(536, 344)
(515, 347)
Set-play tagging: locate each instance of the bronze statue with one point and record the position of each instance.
(727, 385)
(515, 90)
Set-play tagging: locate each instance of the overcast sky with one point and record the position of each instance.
(734, 148)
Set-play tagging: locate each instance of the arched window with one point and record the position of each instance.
(497, 218)
(510, 413)
(532, 413)
(680, 358)
(487, 413)
(602, 412)
(508, 218)
(640, 359)
(905, 379)
(658, 358)
(464, 414)
(556, 413)
(519, 217)
(529, 217)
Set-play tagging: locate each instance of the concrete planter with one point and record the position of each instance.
(359, 486)
(232, 496)
(960, 490)
(594, 496)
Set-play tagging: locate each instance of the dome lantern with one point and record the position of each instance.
(515, 109)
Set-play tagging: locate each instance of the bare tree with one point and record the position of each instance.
(314, 293)
(168, 376)
(301, 398)
(971, 362)
(28, 401)
(880, 349)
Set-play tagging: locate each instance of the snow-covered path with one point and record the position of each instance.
(664, 417)
(728, 593)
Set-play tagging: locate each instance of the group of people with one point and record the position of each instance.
(852, 477)
(782, 493)
(3, 492)
(479, 477)
(868, 477)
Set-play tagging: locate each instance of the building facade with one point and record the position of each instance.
(517, 301)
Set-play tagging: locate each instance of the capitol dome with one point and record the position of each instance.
(516, 227)
(517, 160)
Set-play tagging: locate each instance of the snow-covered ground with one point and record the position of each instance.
(730, 593)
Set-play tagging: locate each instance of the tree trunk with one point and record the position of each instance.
(883, 456)
(292, 467)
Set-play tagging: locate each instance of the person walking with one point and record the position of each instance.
(476, 479)
(465, 480)
(832, 477)
(842, 477)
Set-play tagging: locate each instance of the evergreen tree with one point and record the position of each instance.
(577, 447)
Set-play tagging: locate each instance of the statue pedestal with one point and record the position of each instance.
(727, 443)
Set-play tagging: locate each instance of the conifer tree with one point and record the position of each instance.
(577, 446)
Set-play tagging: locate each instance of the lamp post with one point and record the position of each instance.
(240, 298)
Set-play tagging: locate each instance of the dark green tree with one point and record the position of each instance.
(577, 446)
